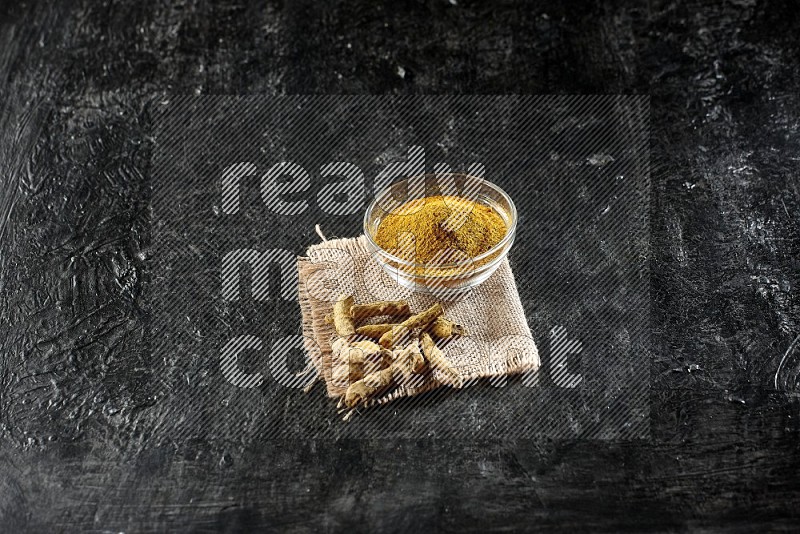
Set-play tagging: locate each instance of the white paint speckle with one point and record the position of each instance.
(600, 160)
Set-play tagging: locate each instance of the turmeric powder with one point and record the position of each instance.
(440, 223)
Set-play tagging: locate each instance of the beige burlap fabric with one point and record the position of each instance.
(499, 341)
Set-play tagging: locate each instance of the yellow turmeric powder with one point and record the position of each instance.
(437, 224)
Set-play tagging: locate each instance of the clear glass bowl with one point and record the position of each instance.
(450, 277)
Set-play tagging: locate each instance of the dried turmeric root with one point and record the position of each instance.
(417, 360)
(391, 308)
(420, 320)
(368, 368)
(394, 308)
(351, 361)
(367, 346)
(444, 328)
(441, 328)
(404, 365)
(344, 369)
(375, 331)
(437, 360)
(342, 320)
(367, 387)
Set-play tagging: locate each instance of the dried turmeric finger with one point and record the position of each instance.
(444, 328)
(342, 320)
(351, 361)
(415, 357)
(344, 374)
(374, 331)
(395, 336)
(423, 319)
(361, 390)
(397, 308)
(404, 364)
(420, 320)
(367, 346)
(373, 357)
(338, 345)
(371, 352)
(437, 360)
(394, 308)
(347, 366)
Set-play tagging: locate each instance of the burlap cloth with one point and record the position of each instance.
(499, 341)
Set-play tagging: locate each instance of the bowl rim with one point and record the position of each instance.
(509, 235)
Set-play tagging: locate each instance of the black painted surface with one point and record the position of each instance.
(77, 394)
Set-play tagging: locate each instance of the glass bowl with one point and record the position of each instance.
(453, 274)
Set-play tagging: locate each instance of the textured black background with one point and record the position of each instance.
(76, 387)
